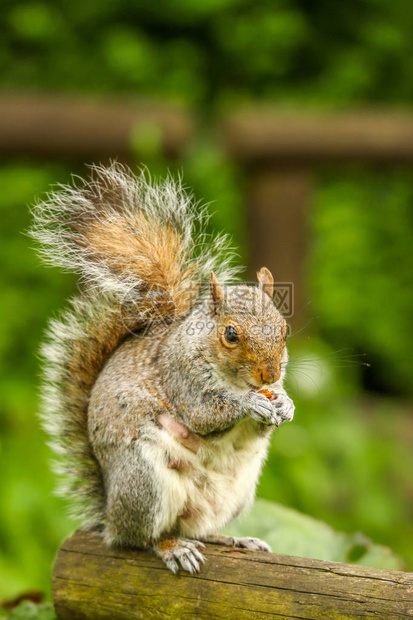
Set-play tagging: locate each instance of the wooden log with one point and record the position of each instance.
(92, 581)
(88, 130)
(368, 136)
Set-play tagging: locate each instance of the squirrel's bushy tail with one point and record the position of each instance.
(141, 253)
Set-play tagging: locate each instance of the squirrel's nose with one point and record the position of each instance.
(269, 375)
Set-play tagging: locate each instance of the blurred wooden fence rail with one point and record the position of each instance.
(92, 581)
(86, 130)
(278, 152)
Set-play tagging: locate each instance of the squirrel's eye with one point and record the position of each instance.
(231, 334)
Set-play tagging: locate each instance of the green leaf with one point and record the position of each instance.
(290, 532)
(29, 611)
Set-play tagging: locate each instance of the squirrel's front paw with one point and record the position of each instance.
(284, 408)
(179, 553)
(262, 409)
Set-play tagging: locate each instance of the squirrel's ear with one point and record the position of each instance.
(216, 293)
(266, 281)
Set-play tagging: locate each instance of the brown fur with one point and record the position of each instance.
(155, 253)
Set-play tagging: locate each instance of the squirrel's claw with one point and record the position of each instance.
(178, 553)
(271, 412)
(246, 542)
(261, 409)
(170, 562)
(284, 407)
(254, 544)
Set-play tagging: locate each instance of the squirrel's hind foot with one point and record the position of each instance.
(254, 544)
(179, 553)
(245, 542)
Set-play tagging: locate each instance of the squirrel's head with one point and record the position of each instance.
(248, 339)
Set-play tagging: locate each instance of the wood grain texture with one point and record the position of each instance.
(91, 581)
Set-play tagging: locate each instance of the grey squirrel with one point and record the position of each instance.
(152, 380)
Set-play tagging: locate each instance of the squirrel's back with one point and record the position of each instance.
(142, 254)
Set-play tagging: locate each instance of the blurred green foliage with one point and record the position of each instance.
(345, 459)
(212, 52)
(361, 270)
(31, 519)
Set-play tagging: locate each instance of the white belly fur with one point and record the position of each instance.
(218, 483)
